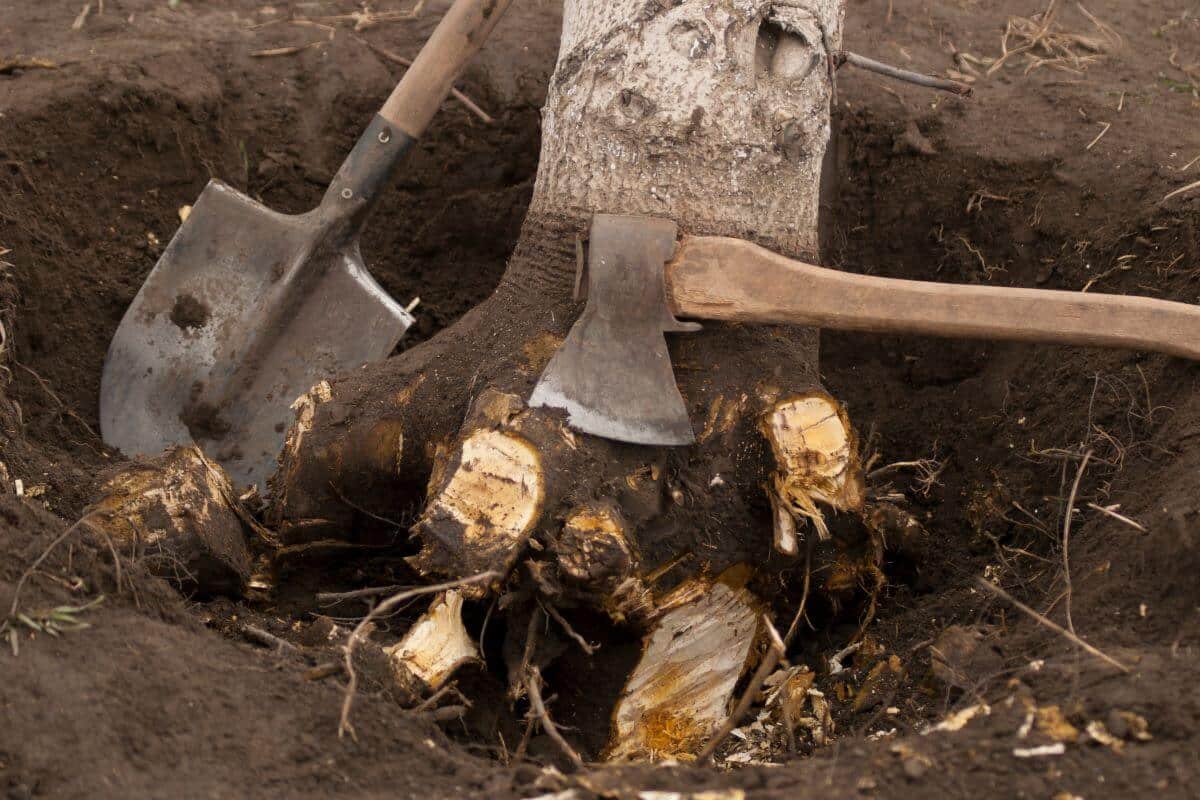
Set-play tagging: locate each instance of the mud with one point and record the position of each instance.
(162, 696)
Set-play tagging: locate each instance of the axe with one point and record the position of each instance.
(612, 374)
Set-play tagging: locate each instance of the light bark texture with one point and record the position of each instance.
(711, 112)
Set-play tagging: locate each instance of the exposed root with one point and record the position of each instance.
(488, 490)
(775, 651)
(817, 461)
(533, 684)
(434, 648)
(597, 564)
(179, 516)
(1041, 619)
(15, 606)
(691, 661)
(583, 643)
(362, 630)
(483, 514)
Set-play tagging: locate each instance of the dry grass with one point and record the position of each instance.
(1041, 41)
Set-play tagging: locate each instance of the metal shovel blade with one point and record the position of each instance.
(245, 311)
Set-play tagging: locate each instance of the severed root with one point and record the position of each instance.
(817, 461)
(597, 564)
(487, 493)
(679, 693)
(434, 647)
(353, 464)
(178, 516)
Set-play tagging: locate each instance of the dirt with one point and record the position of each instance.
(189, 313)
(1011, 187)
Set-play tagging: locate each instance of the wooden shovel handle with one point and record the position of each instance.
(454, 42)
(730, 279)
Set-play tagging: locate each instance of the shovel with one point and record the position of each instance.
(248, 308)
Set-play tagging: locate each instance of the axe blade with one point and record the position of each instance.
(613, 373)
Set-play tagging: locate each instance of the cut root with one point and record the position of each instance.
(598, 566)
(434, 648)
(680, 691)
(177, 515)
(817, 462)
(487, 496)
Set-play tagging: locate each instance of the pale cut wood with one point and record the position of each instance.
(730, 279)
(454, 42)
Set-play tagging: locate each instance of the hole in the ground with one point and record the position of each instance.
(973, 408)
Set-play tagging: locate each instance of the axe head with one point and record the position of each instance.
(612, 374)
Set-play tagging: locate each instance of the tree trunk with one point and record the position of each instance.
(715, 114)
(709, 112)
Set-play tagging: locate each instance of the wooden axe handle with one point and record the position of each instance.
(730, 279)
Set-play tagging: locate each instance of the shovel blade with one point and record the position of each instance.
(246, 310)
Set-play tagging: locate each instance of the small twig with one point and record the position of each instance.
(61, 405)
(523, 745)
(1099, 135)
(795, 626)
(1180, 190)
(360, 630)
(360, 509)
(431, 701)
(1066, 536)
(775, 651)
(82, 18)
(1111, 511)
(444, 714)
(527, 652)
(878, 67)
(459, 96)
(1054, 626)
(333, 598)
(325, 670)
(533, 686)
(584, 645)
(267, 639)
(16, 600)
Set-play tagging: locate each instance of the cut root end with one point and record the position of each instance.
(817, 462)
(434, 647)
